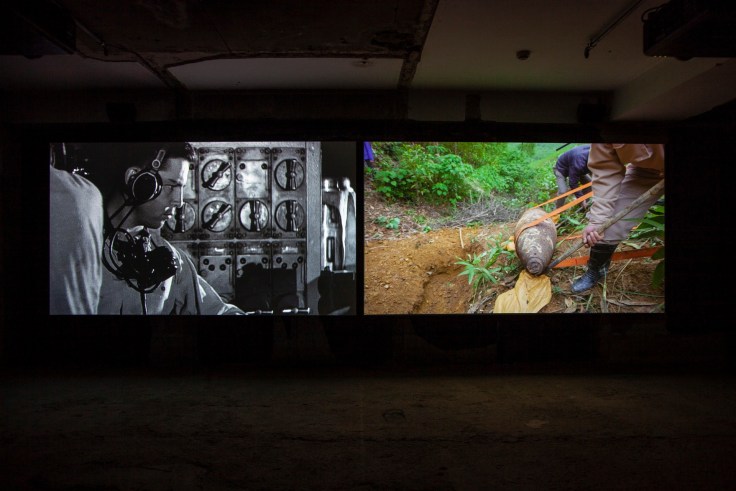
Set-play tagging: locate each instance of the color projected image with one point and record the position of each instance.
(514, 227)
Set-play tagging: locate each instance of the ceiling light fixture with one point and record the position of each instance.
(363, 63)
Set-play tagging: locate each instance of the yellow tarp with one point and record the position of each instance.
(529, 295)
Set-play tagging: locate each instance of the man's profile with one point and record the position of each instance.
(142, 186)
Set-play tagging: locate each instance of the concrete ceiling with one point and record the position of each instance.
(463, 46)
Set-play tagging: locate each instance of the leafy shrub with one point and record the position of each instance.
(450, 172)
(423, 173)
(393, 182)
(389, 223)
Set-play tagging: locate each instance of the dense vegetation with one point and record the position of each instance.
(448, 173)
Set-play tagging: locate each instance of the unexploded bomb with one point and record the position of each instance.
(535, 245)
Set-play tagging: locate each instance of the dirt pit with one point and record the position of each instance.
(412, 269)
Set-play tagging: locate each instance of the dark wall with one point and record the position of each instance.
(699, 169)
(338, 159)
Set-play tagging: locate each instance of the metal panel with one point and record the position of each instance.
(252, 222)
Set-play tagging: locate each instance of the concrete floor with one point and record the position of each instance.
(335, 428)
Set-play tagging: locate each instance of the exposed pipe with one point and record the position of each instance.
(609, 27)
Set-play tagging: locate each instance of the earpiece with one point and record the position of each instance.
(145, 185)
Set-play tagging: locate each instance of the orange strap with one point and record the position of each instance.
(582, 186)
(580, 260)
(556, 211)
(577, 236)
(569, 237)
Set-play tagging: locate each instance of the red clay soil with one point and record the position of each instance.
(412, 271)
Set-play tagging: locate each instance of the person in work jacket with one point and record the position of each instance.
(621, 173)
(571, 171)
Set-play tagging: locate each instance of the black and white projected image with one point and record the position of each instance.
(203, 228)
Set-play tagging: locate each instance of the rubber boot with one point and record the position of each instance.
(600, 258)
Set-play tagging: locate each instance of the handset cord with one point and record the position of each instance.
(111, 234)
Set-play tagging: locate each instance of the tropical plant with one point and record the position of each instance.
(488, 266)
(651, 228)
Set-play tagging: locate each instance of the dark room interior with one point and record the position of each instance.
(356, 401)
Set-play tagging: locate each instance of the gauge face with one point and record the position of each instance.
(217, 216)
(182, 220)
(254, 215)
(216, 174)
(290, 216)
(289, 174)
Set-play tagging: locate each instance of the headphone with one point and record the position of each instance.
(146, 184)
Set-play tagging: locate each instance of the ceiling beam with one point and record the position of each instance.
(409, 68)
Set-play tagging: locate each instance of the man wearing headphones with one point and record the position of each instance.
(144, 273)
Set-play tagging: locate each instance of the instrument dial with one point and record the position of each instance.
(289, 174)
(254, 215)
(182, 220)
(217, 215)
(216, 175)
(290, 216)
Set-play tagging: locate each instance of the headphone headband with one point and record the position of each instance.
(156, 163)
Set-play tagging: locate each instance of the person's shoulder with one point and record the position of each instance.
(180, 254)
(75, 183)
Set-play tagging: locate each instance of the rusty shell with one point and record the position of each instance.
(535, 245)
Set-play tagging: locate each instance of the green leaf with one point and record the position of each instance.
(658, 275)
(659, 254)
(654, 223)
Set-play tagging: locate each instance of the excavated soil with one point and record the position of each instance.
(412, 269)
